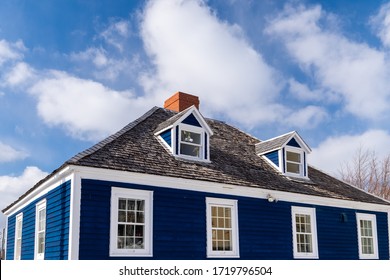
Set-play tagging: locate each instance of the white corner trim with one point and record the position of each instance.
(74, 217)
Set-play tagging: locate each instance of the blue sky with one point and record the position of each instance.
(74, 71)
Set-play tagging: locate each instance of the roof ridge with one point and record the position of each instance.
(111, 138)
(277, 137)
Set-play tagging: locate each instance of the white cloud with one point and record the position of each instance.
(20, 74)
(334, 151)
(8, 153)
(12, 187)
(116, 32)
(11, 51)
(307, 117)
(104, 65)
(195, 52)
(355, 71)
(381, 24)
(85, 108)
(302, 92)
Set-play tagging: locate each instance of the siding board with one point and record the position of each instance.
(57, 225)
(179, 226)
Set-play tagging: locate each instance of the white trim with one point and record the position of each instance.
(74, 217)
(302, 164)
(372, 218)
(232, 204)
(219, 188)
(313, 224)
(199, 118)
(39, 207)
(18, 217)
(147, 196)
(388, 224)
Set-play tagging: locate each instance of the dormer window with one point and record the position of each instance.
(191, 142)
(286, 153)
(186, 135)
(294, 162)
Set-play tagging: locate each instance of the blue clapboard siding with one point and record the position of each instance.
(179, 225)
(293, 143)
(57, 225)
(273, 157)
(191, 120)
(167, 137)
(11, 238)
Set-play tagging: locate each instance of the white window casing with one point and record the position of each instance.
(304, 233)
(367, 236)
(295, 162)
(222, 228)
(40, 230)
(191, 143)
(18, 237)
(131, 226)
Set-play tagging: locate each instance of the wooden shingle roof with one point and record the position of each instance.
(233, 157)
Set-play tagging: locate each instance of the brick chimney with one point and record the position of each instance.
(181, 101)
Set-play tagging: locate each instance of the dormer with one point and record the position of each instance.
(186, 135)
(286, 153)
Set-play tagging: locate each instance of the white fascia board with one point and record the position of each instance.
(58, 178)
(219, 188)
(162, 130)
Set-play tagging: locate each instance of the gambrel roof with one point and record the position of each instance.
(233, 155)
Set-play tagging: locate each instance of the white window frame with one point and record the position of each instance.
(228, 203)
(193, 129)
(295, 210)
(40, 206)
(302, 167)
(372, 219)
(18, 236)
(147, 196)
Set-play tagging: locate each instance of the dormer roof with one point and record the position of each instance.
(191, 115)
(292, 139)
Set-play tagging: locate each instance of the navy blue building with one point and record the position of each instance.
(176, 185)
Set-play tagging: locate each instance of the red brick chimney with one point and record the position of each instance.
(181, 101)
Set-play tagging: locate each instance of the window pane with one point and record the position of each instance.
(293, 168)
(122, 203)
(304, 236)
(291, 156)
(190, 137)
(122, 216)
(189, 150)
(221, 228)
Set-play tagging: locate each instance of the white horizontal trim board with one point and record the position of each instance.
(185, 184)
(218, 188)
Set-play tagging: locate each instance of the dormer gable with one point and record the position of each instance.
(186, 135)
(287, 153)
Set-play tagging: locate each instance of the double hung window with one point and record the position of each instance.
(304, 232)
(191, 142)
(18, 237)
(222, 228)
(294, 162)
(40, 230)
(131, 222)
(367, 234)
